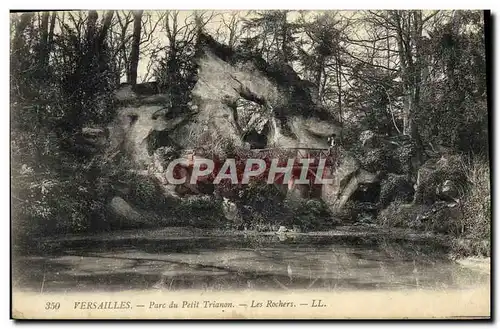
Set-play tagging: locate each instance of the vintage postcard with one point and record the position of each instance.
(250, 164)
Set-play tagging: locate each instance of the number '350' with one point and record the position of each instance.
(52, 305)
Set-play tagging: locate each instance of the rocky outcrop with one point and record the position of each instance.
(138, 120)
(348, 176)
(238, 101)
(436, 203)
(237, 92)
(234, 94)
(440, 179)
(429, 200)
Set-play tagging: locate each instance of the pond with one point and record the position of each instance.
(348, 258)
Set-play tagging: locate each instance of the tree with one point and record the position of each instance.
(134, 53)
(271, 35)
(402, 33)
(323, 40)
(175, 72)
(22, 23)
(137, 36)
(454, 105)
(230, 30)
(120, 43)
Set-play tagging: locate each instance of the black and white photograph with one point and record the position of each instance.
(231, 164)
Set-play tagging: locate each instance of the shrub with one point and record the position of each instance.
(198, 211)
(476, 219)
(463, 247)
(469, 221)
(310, 214)
(376, 160)
(49, 202)
(399, 214)
(395, 188)
(263, 206)
(354, 211)
(145, 192)
(447, 168)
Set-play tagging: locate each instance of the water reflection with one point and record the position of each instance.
(242, 262)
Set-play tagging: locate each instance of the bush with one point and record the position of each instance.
(49, 202)
(350, 212)
(476, 221)
(463, 247)
(56, 188)
(395, 188)
(376, 160)
(432, 175)
(263, 206)
(469, 221)
(310, 214)
(199, 211)
(145, 192)
(399, 214)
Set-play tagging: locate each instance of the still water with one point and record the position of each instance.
(173, 259)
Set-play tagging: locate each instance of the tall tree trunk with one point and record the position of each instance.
(409, 28)
(18, 40)
(318, 75)
(43, 55)
(404, 68)
(106, 24)
(284, 41)
(18, 87)
(339, 90)
(134, 53)
(417, 81)
(50, 37)
(91, 27)
(95, 39)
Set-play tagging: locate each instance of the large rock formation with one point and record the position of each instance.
(236, 93)
(239, 101)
